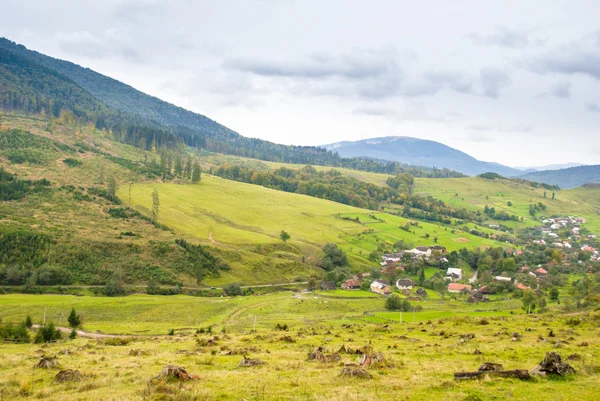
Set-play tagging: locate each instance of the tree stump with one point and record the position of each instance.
(47, 362)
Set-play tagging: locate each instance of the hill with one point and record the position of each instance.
(418, 152)
(32, 82)
(566, 178)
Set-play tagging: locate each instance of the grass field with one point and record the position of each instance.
(248, 218)
(422, 352)
(474, 193)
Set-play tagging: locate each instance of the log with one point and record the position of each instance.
(520, 374)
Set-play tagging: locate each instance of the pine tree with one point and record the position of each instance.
(155, 205)
(74, 319)
(196, 173)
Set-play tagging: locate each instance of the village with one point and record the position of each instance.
(564, 242)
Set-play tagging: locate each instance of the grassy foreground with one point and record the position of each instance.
(422, 352)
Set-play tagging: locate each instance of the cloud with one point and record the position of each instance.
(505, 37)
(578, 57)
(493, 80)
(453, 79)
(355, 66)
(485, 127)
(593, 107)
(480, 137)
(559, 89)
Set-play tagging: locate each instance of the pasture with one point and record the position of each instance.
(421, 353)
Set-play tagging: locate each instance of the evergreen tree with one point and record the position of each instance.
(155, 205)
(74, 319)
(196, 173)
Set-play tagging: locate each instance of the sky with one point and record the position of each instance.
(514, 82)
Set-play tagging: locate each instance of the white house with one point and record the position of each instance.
(454, 274)
(420, 251)
(502, 278)
(404, 284)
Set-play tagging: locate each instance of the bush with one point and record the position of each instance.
(72, 162)
(233, 290)
(48, 334)
(16, 334)
(281, 327)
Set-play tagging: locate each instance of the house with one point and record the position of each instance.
(404, 284)
(522, 287)
(422, 251)
(439, 248)
(502, 278)
(327, 285)
(555, 226)
(575, 230)
(484, 289)
(421, 292)
(453, 274)
(567, 245)
(351, 285)
(532, 274)
(519, 252)
(381, 287)
(558, 245)
(553, 235)
(456, 287)
(524, 269)
(541, 271)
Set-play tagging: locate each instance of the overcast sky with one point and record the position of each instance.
(516, 82)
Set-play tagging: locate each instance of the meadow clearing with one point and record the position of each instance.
(248, 218)
(421, 353)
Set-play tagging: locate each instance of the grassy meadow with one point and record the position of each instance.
(422, 352)
(249, 218)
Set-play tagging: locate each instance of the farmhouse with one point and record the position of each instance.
(522, 287)
(327, 285)
(456, 287)
(351, 285)
(381, 287)
(420, 251)
(502, 278)
(404, 284)
(453, 274)
(541, 271)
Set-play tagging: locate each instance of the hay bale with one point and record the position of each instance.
(355, 371)
(552, 364)
(68, 375)
(175, 373)
(248, 362)
(47, 362)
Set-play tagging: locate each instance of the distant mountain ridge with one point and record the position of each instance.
(566, 178)
(420, 152)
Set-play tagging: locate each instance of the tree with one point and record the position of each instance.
(114, 286)
(421, 276)
(312, 284)
(393, 302)
(554, 294)
(196, 173)
(155, 205)
(509, 265)
(28, 322)
(529, 301)
(553, 195)
(111, 187)
(73, 334)
(74, 319)
(47, 334)
(334, 257)
(233, 290)
(284, 236)
(509, 203)
(375, 273)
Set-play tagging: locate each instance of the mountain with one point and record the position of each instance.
(549, 167)
(419, 152)
(31, 82)
(566, 178)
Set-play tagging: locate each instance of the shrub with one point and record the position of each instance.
(47, 334)
(233, 290)
(72, 162)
